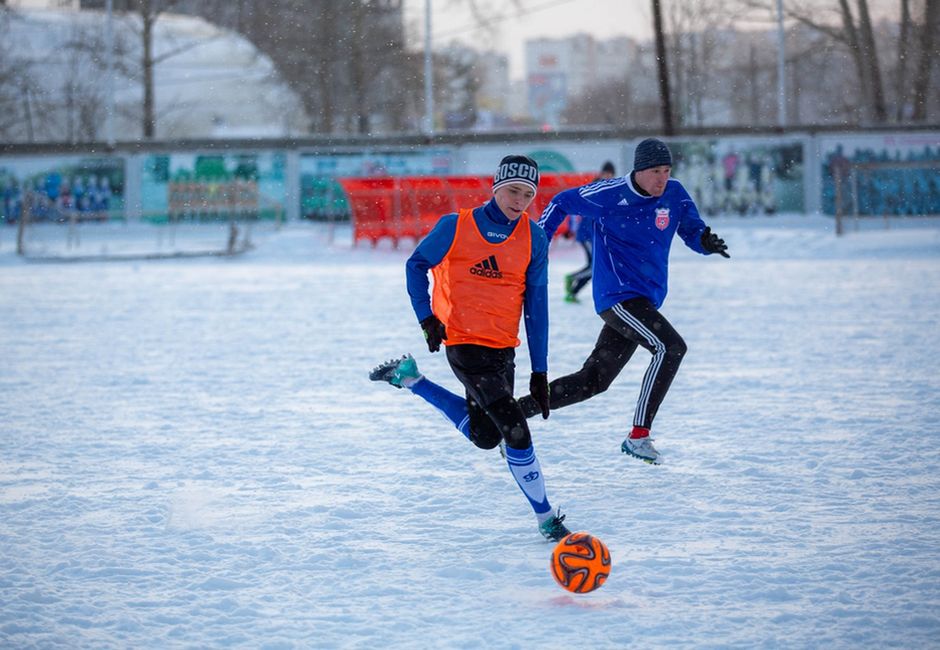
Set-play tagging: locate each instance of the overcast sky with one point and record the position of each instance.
(515, 22)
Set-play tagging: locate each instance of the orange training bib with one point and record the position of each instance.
(479, 286)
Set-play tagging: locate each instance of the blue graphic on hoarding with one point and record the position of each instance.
(910, 188)
(63, 188)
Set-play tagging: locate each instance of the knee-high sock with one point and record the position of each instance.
(453, 407)
(526, 470)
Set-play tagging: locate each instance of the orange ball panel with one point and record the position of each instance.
(580, 563)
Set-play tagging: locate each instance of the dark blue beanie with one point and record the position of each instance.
(651, 153)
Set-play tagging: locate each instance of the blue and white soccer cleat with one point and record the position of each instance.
(400, 373)
(643, 449)
(553, 529)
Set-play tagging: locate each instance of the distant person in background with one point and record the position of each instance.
(583, 228)
(106, 195)
(490, 267)
(12, 200)
(79, 194)
(64, 204)
(635, 220)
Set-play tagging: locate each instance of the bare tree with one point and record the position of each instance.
(927, 55)
(149, 12)
(699, 49)
(615, 104)
(373, 53)
(901, 73)
(346, 61)
(148, 17)
(457, 83)
(663, 68)
(11, 83)
(868, 53)
(51, 94)
(854, 32)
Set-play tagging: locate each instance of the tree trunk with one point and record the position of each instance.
(70, 111)
(855, 48)
(326, 77)
(677, 77)
(357, 70)
(666, 103)
(753, 75)
(27, 109)
(904, 35)
(922, 79)
(871, 63)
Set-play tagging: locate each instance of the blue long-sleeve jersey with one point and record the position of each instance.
(585, 228)
(495, 227)
(632, 235)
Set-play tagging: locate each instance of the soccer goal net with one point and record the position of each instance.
(196, 223)
(885, 191)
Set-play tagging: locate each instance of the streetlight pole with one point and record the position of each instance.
(428, 72)
(109, 72)
(781, 68)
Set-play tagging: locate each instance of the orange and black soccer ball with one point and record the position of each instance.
(580, 563)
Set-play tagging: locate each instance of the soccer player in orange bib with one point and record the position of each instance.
(490, 266)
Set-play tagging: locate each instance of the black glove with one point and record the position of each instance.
(538, 389)
(434, 332)
(712, 243)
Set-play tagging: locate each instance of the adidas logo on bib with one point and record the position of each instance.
(487, 268)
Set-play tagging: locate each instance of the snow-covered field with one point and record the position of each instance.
(192, 455)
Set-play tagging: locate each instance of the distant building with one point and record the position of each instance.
(518, 104)
(558, 69)
(494, 91)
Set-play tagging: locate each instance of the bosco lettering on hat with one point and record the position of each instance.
(517, 169)
(651, 153)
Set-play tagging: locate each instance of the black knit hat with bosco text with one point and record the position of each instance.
(517, 169)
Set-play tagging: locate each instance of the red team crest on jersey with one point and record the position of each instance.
(662, 218)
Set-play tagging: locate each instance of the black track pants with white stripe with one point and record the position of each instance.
(632, 323)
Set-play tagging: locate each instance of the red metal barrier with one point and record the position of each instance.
(408, 206)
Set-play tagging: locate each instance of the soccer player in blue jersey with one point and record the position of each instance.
(635, 219)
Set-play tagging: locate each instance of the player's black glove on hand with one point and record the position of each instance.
(538, 389)
(712, 243)
(434, 332)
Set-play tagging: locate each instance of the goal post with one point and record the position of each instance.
(192, 227)
(886, 190)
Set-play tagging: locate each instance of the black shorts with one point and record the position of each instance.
(488, 374)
